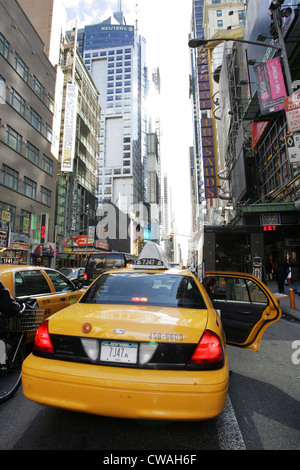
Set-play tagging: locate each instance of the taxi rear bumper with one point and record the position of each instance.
(125, 393)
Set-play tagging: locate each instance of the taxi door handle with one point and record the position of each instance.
(63, 298)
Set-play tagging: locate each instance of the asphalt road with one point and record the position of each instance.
(262, 412)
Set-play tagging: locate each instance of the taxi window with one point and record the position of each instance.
(60, 282)
(107, 261)
(240, 290)
(146, 288)
(30, 283)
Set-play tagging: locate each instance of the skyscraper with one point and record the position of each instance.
(116, 61)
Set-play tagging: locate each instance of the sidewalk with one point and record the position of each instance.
(285, 304)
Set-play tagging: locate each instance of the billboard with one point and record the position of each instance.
(69, 137)
(270, 86)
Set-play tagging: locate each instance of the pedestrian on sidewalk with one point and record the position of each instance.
(281, 273)
(295, 276)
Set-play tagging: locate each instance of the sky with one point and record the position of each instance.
(165, 24)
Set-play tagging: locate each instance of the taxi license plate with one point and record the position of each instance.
(112, 351)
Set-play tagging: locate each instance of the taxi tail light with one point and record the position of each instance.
(208, 351)
(42, 340)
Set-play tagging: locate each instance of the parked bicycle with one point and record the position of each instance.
(12, 346)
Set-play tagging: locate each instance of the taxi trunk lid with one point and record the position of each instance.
(143, 337)
(131, 323)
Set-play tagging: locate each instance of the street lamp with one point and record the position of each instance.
(194, 43)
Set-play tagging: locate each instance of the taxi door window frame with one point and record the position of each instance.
(33, 283)
(59, 281)
(241, 308)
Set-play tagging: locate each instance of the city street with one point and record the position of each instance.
(262, 412)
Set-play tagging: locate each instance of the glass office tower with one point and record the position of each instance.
(116, 61)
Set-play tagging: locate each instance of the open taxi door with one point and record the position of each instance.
(247, 307)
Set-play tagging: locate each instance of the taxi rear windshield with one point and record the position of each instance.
(109, 260)
(145, 289)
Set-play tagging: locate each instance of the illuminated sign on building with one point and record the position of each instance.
(69, 138)
(207, 136)
(209, 166)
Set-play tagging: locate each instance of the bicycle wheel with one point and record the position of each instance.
(10, 368)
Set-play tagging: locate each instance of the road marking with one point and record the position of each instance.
(229, 433)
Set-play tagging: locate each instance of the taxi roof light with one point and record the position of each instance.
(209, 350)
(152, 256)
(42, 340)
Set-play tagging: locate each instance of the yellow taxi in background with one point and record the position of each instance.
(52, 290)
(143, 342)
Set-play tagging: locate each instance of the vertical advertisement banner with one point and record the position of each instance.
(270, 86)
(69, 137)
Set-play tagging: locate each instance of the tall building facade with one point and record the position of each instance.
(259, 218)
(27, 139)
(116, 61)
(77, 175)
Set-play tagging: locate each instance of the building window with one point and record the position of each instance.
(35, 119)
(219, 13)
(29, 188)
(17, 102)
(241, 16)
(13, 139)
(21, 67)
(47, 165)
(220, 23)
(10, 177)
(32, 153)
(50, 103)
(4, 46)
(45, 196)
(2, 90)
(48, 132)
(38, 88)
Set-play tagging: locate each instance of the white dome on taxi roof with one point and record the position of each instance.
(152, 256)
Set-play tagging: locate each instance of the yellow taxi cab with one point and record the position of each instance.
(145, 342)
(51, 289)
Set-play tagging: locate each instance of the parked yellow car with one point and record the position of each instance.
(52, 290)
(144, 342)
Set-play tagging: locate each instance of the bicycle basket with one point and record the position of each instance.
(29, 320)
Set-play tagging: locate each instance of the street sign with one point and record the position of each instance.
(293, 147)
(292, 109)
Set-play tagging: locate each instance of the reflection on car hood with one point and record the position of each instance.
(138, 322)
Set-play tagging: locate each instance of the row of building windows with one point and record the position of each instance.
(15, 141)
(23, 70)
(10, 179)
(19, 105)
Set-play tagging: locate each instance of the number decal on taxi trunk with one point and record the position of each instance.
(166, 336)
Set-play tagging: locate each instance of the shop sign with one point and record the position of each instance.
(3, 239)
(18, 241)
(101, 245)
(292, 110)
(45, 249)
(80, 241)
